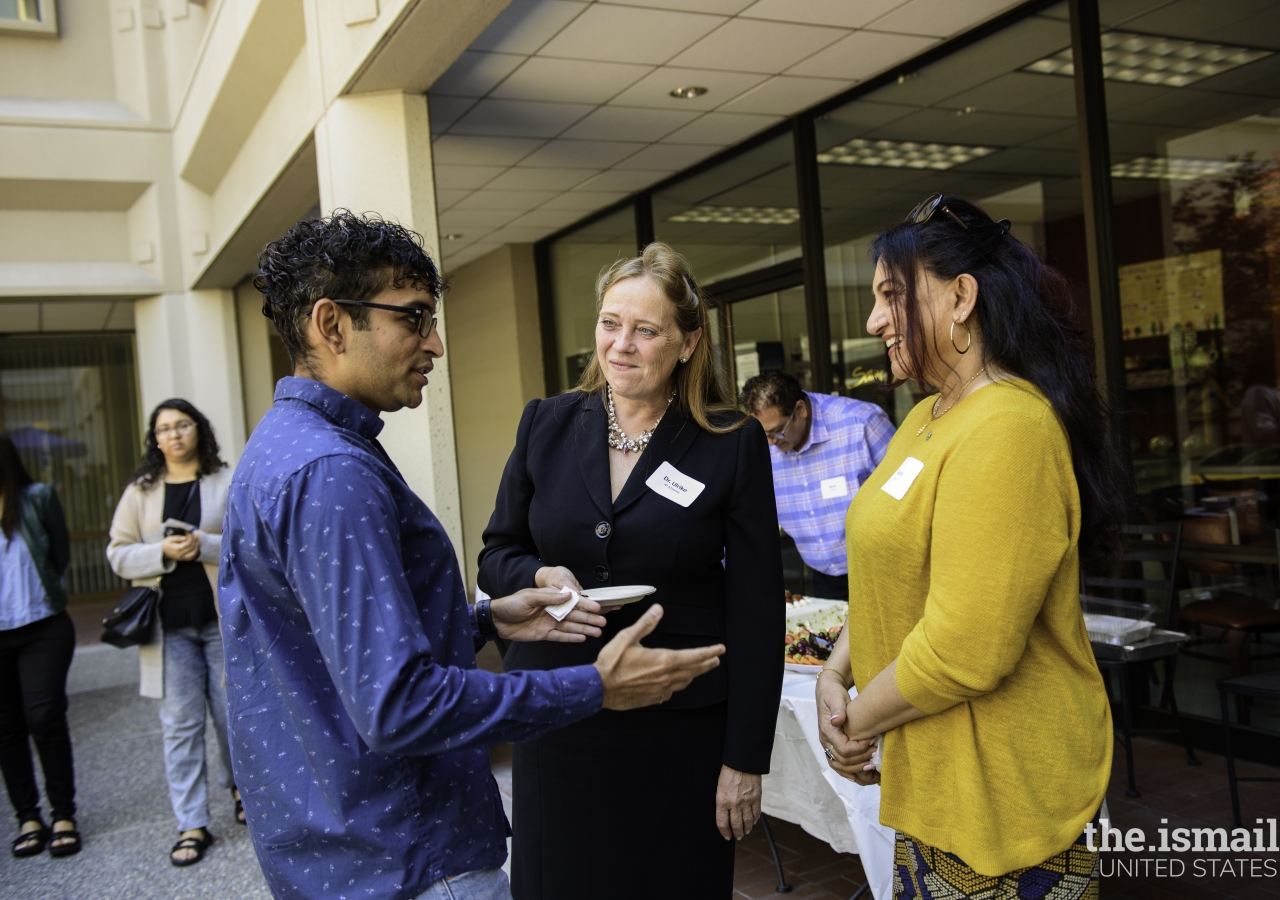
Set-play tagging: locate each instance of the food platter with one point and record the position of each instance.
(813, 627)
(619, 596)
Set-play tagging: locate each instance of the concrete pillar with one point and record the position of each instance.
(188, 347)
(373, 153)
(496, 343)
(257, 379)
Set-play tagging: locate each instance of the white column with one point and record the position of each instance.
(188, 347)
(373, 153)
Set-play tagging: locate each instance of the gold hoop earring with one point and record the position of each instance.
(953, 339)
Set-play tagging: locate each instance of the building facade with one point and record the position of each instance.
(151, 147)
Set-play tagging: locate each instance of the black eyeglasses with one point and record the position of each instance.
(930, 207)
(926, 211)
(426, 323)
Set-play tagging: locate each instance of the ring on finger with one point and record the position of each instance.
(827, 751)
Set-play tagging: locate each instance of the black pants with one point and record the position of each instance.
(34, 660)
(828, 587)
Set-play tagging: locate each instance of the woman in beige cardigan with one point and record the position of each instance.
(180, 478)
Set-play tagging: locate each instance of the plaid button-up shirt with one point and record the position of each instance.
(815, 485)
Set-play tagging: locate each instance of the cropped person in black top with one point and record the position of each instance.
(167, 533)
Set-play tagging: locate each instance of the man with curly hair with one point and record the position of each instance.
(359, 723)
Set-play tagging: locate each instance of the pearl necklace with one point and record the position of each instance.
(618, 439)
(938, 415)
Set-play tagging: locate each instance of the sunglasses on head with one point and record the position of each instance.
(937, 203)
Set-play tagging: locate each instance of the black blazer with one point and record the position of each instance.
(554, 509)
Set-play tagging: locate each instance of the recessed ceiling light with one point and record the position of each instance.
(454, 236)
(688, 93)
(1175, 168)
(740, 215)
(902, 154)
(1150, 59)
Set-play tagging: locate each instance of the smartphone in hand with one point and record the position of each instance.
(176, 526)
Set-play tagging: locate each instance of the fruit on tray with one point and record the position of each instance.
(810, 648)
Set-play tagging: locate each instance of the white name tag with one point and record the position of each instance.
(899, 481)
(834, 487)
(673, 484)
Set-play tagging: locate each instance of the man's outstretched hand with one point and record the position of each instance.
(635, 676)
(523, 617)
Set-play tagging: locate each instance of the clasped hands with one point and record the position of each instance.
(848, 756)
(181, 547)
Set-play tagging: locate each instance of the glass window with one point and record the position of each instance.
(70, 403)
(29, 16)
(770, 332)
(1194, 120)
(740, 216)
(977, 124)
(576, 262)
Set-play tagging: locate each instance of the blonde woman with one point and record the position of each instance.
(180, 478)
(645, 474)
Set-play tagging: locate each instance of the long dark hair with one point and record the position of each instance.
(1027, 317)
(153, 464)
(14, 479)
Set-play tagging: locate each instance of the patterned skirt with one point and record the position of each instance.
(921, 872)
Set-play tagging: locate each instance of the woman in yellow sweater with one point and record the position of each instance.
(965, 637)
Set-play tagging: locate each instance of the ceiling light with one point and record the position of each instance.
(740, 215)
(1149, 59)
(451, 237)
(1175, 168)
(902, 154)
(688, 93)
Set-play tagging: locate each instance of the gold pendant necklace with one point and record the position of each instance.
(938, 415)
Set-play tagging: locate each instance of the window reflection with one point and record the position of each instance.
(1196, 182)
(740, 216)
(770, 332)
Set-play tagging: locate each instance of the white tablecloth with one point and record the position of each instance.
(803, 789)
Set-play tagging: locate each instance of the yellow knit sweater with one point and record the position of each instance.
(971, 582)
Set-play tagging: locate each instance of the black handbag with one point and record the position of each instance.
(133, 620)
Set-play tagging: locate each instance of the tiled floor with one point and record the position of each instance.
(1186, 796)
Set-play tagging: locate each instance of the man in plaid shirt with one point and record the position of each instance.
(823, 448)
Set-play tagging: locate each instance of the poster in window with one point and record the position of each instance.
(1173, 294)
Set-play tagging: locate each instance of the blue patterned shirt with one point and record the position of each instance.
(815, 484)
(359, 723)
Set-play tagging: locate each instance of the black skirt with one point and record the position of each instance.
(622, 805)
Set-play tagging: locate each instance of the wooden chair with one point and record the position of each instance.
(1163, 549)
(1241, 617)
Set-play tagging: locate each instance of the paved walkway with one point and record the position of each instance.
(126, 821)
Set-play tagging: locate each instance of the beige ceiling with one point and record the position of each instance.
(561, 107)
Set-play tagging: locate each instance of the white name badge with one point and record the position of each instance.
(673, 484)
(834, 487)
(899, 481)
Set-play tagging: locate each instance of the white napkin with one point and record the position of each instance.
(560, 610)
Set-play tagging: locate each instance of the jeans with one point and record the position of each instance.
(482, 884)
(34, 660)
(193, 682)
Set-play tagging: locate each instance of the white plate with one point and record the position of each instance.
(803, 670)
(619, 596)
